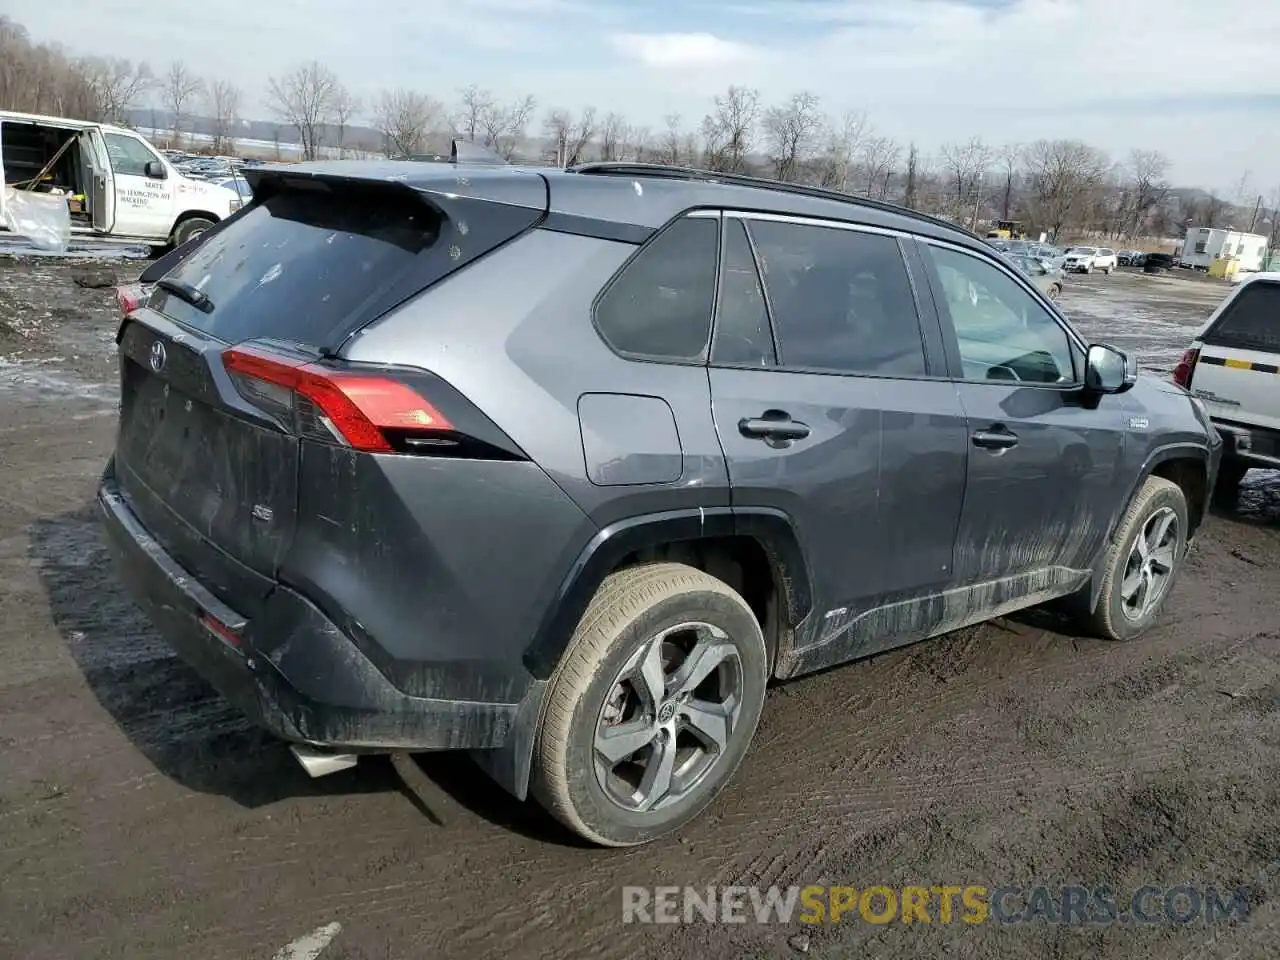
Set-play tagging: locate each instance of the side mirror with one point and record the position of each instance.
(155, 170)
(1108, 370)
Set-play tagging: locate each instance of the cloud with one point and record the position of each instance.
(683, 50)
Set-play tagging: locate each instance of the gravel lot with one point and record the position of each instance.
(140, 817)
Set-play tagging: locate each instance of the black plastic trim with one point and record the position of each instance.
(771, 528)
(600, 229)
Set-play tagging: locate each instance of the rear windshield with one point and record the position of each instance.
(1251, 321)
(300, 266)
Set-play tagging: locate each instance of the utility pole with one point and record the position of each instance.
(977, 199)
(1256, 210)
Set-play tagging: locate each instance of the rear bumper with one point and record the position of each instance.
(1254, 446)
(315, 686)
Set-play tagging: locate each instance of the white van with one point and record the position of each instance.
(118, 186)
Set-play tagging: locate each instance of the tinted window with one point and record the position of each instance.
(297, 267)
(660, 305)
(1251, 321)
(129, 155)
(1003, 331)
(742, 319)
(841, 299)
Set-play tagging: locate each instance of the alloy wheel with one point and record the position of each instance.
(669, 716)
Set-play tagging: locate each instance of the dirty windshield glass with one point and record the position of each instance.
(298, 266)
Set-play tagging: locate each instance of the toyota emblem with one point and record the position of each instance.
(158, 356)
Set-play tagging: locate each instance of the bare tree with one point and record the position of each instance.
(404, 118)
(42, 78)
(613, 135)
(179, 88)
(671, 143)
(789, 132)
(571, 137)
(965, 164)
(474, 107)
(1010, 156)
(909, 188)
(878, 156)
(223, 101)
(729, 130)
(117, 83)
(504, 127)
(843, 140)
(1062, 178)
(1148, 186)
(304, 98)
(346, 106)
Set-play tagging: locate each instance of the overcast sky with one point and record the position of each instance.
(1159, 74)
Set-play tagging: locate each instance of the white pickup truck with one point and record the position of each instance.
(118, 186)
(1233, 367)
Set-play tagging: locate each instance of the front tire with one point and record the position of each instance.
(190, 229)
(1142, 561)
(652, 707)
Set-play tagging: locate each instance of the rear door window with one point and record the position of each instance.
(659, 306)
(1251, 321)
(300, 265)
(841, 299)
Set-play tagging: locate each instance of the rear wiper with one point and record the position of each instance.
(185, 291)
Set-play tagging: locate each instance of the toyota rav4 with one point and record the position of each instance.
(563, 467)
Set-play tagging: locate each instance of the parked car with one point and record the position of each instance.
(540, 472)
(1089, 259)
(1232, 366)
(1156, 262)
(1044, 275)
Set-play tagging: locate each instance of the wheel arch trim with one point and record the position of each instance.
(771, 528)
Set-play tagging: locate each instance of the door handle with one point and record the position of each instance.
(997, 438)
(777, 427)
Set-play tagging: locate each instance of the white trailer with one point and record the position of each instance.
(1204, 245)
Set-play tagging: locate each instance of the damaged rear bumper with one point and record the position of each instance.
(328, 695)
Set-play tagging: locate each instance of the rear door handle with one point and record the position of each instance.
(995, 439)
(769, 428)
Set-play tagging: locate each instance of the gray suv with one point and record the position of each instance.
(563, 467)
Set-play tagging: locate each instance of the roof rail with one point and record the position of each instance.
(468, 151)
(623, 169)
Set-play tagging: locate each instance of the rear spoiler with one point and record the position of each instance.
(461, 152)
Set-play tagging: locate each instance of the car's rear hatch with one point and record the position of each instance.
(208, 448)
(1237, 373)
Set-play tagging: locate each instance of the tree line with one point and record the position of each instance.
(1059, 186)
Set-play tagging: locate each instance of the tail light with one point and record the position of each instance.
(1186, 367)
(130, 296)
(371, 413)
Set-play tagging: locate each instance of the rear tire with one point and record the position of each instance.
(189, 229)
(623, 691)
(1142, 561)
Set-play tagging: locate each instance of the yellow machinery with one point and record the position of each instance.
(1007, 230)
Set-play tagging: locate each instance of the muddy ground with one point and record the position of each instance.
(140, 817)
